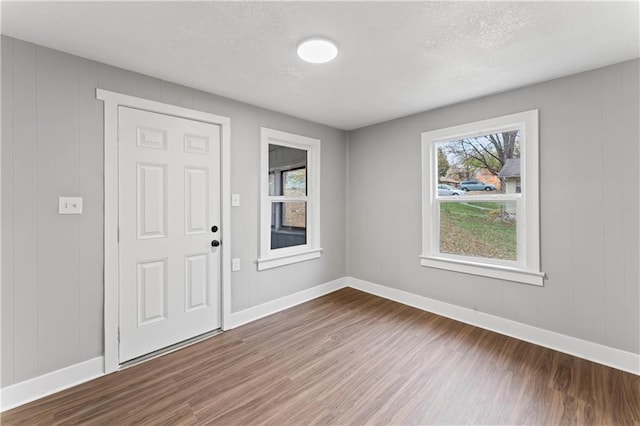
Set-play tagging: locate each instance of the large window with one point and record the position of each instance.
(290, 179)
(480, 198)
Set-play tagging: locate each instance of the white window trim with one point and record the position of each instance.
(311, 250)
(527, 269)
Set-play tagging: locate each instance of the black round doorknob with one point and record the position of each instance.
(215, 243)
(214, 228)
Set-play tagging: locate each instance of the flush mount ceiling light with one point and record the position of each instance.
(317, 50)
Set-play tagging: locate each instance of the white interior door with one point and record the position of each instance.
(169, 211)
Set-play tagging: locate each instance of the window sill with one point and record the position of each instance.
(485, 270)
(287, 259)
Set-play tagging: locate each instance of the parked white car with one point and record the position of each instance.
(476, 185)
(449, 190)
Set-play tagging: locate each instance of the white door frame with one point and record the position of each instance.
(112, 101)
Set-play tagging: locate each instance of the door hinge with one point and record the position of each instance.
(118, 237)
(118, 334)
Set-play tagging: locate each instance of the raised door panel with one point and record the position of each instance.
(152, 291)
(149, 137)
(152, 200)
(196, 281)
(196, 144)
(196, 193)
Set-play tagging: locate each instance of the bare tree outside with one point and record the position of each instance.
(489, 152)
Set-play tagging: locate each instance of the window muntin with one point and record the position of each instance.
(489, 224)
(290, 199)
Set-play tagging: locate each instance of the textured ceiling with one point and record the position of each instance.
(396, 58)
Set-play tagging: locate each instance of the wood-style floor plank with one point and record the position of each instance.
(350, 358)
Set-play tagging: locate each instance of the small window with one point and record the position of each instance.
(480, 198)
(290, 223)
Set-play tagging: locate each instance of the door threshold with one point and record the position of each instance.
(169, 349)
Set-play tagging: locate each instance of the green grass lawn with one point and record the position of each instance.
(477, 229)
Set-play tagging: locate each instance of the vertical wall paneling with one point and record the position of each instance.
(200, 101)
(7, 214)
(90, 169)
(58, 235)
(25, 208)
(630, 111)
(587, 186)
(107, 78)
(347, 211)
(187, 97)
(611, 152)
(556, 207)
(170, 93)
(135, 84)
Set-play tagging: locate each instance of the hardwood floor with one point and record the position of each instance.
(351, 358)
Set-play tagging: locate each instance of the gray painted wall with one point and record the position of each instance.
(589, 165)
(52, 145)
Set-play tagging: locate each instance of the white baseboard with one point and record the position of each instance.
(601, 354)
(273, 306)
(41, 386)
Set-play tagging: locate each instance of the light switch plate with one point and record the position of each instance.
(235, 200)
(235, 264)
(70, 205)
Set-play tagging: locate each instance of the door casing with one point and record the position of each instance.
(112, 100)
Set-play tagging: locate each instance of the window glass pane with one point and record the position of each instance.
(481, 164)
(284, 160)
(288, 224)
(272, 183)
(479, 229)
(294, 182)
(294, 214)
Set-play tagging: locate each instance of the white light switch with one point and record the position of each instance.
(235, 264)
(235, 200)
(70, 205)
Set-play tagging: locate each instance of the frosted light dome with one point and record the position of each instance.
(317, 50)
